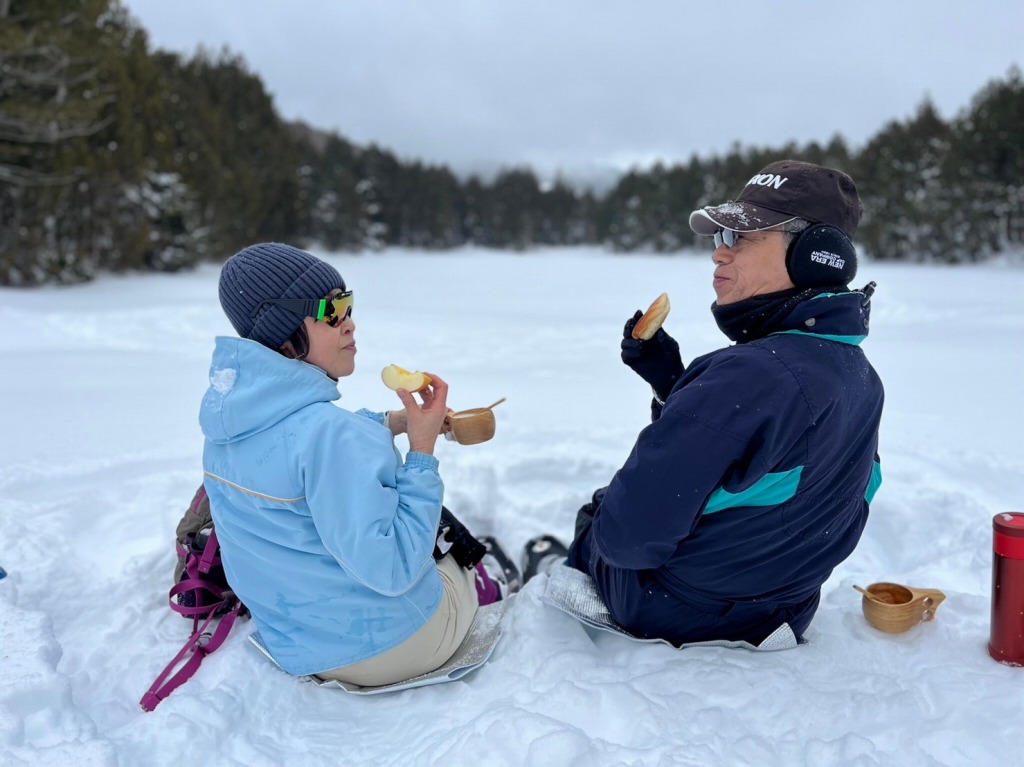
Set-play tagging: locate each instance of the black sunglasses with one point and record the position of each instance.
(333, 311)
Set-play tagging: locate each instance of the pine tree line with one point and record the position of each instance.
(113, 158)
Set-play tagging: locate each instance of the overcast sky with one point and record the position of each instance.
(577, 86)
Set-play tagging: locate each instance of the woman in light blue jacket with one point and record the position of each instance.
(327, 535)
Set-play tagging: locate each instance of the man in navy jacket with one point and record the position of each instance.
(754, 478)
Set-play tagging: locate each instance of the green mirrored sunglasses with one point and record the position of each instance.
(333, 311)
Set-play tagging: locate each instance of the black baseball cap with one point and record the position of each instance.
(781, 192)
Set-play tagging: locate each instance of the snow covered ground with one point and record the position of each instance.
(100, 453)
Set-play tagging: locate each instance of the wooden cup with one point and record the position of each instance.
(893, 608)
(470, 427)
(473, 426)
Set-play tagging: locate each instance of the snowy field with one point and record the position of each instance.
(101, 452)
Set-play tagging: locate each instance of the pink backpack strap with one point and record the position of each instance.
(224, 606)
(198, 646)
(210, 555)
(200, 497)
(222, 599)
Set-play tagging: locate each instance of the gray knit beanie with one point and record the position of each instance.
(272, 270)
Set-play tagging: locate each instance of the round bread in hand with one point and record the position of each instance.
(655, 315)
(397, 378)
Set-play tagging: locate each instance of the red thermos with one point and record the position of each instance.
(1006, 644)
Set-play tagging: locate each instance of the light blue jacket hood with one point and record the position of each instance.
(326, 534)
(248, 394)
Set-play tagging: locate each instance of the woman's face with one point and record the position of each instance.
(333, 350)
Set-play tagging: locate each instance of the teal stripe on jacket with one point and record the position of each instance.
(874, 483)
(773, 489)
(770, 490)
(851, 340)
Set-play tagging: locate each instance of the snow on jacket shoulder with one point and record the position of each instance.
(754, 482)
(326, 535)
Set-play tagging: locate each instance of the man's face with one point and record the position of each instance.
(755, 265)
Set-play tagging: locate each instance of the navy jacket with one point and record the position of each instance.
(748, 488)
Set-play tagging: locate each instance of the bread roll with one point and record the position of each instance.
(655, 315)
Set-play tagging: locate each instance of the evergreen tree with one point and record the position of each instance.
(910, 201)
(428, 203)
(565, 218)
(679, 189)
(378, 187)
(52, 102)
(475, 206)
(834, 154)
(229, 145)
(622, 220)
(990, 161)
(333, 210)
(79, 171)
(512, 216)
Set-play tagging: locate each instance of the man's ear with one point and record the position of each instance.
(288, 350)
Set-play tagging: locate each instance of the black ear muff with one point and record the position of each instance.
(821, 255)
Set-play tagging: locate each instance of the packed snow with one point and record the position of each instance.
(101, 452)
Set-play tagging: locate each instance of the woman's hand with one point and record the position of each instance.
(398, 422)
(424, 421)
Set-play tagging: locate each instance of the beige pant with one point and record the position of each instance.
(429, 647)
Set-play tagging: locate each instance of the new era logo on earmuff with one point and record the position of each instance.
(828, 259)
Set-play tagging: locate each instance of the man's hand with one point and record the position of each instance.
(656, 360)
(425, 421)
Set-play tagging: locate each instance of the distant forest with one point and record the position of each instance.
(115, 157)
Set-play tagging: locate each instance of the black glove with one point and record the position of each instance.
(454, 538)
(655, 360)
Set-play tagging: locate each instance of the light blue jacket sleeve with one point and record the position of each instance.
(373, 415)
(377, 516)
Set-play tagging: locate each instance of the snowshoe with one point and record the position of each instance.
(540, 553)
(500, 567)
